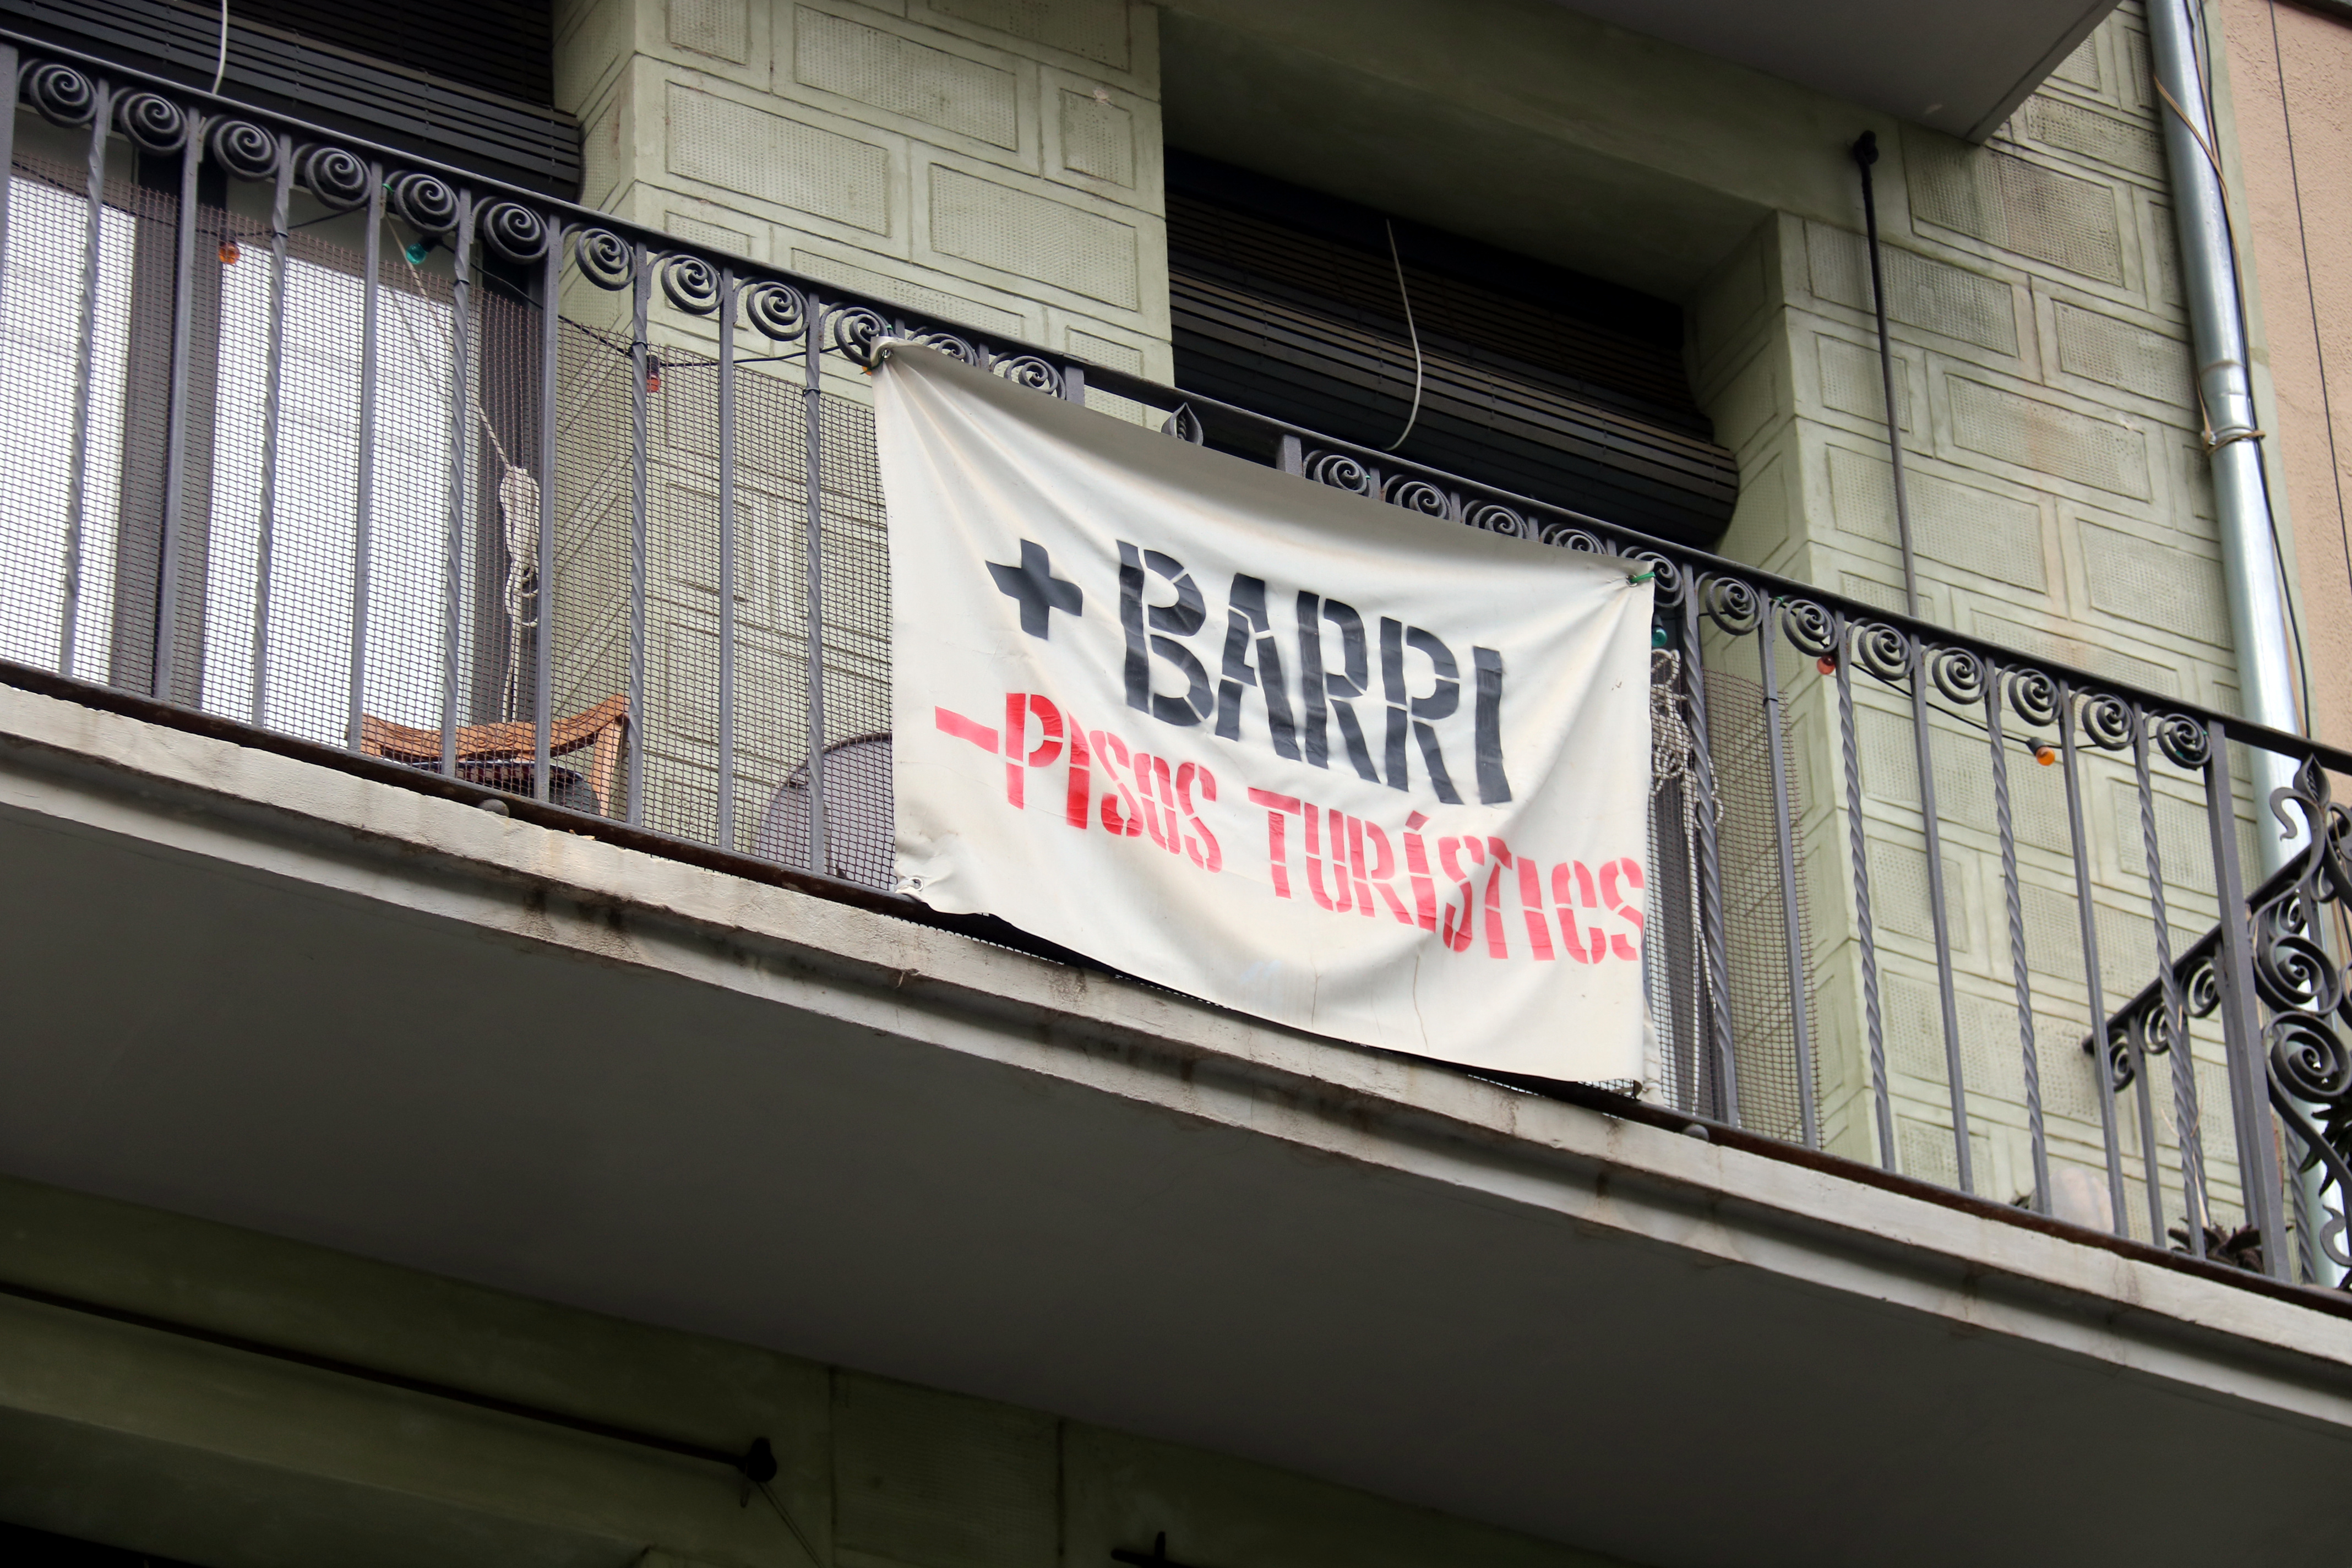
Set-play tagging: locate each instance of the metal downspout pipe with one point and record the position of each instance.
(2251, 557)
(2208, 280)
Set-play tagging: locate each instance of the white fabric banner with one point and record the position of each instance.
(1330, 762)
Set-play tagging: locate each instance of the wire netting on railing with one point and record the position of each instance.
(314, 437)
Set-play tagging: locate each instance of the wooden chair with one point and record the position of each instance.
(482, 748)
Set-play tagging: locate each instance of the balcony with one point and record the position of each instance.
(346, 495)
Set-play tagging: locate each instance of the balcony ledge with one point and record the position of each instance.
(276, 993)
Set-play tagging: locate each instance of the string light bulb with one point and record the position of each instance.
(653, 375)
(2045, 753)
(230, 251)
(416, 250)
(1826, 664)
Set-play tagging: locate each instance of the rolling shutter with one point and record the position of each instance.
(1533, 379)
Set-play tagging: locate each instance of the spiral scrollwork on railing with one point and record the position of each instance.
(1340, 472)
(1185, 425)
(1031, 370)
(426, 204)
(2307, 1060)
(1666, 578)
(1562, 535)
(858, 332)
(1884, 650)
(1493, 517)
(1414, 493)
(1811, 629)
(952, 345)
(605, 258)
(777, 311)
(1958, 674)
(2032, 696)
(2124, 1038)
(2292, 971)
(689, 283)
(1730, 603)
(333, 175)
(2183, 740)
(2156, 1026)
(2309, 1067)
(515, 231)
(243, 149)
(60, 94)
(2107, 721)
(153, 121)
(2201, 994)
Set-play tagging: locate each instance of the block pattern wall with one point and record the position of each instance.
(2060, 506)
(995, 162)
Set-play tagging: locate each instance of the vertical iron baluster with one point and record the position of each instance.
(163, 683)
(363, 518)
(1857, 845)
(1074, 383)
(641, 279)
(461, 436)
(1290, 456)
(85, 342)
(2013, 904)
(1785, 839)
(812, 401)
(542, 698)
(8, 73)
(2151, 1170)
(1940, 921)
(2241, 1024)
(2136, 1031)
(726, 559)
(273, 376)
(2086, 915)
(1713, 953)
(2176, 1014)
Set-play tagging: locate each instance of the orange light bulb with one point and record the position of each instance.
(2045, 754)
(230, 251)
(1826, 664)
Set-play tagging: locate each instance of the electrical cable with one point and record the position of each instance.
(220, 62)
(1410, 419)
(789, 1523)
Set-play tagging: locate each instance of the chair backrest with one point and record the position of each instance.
(860, 822)
(603, 727)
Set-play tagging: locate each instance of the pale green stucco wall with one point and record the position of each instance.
(2060, 508)
(994, 162)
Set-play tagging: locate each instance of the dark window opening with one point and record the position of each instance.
(1533, 379)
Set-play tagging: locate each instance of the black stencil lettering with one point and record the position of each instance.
(1247, 623)
(1493, 784)
(1392, 687)
(1182, 618)
(1440, 703)
(1316, 744)
(1339, 686)
(1130, 620)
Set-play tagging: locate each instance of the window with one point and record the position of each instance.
(1533, 379)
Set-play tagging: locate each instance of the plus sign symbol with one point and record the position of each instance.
(1033, 587)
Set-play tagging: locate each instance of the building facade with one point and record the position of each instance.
(479, 1097)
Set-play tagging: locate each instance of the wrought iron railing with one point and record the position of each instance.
(309, 436)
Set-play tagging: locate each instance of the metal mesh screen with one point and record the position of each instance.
(1756, 936)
